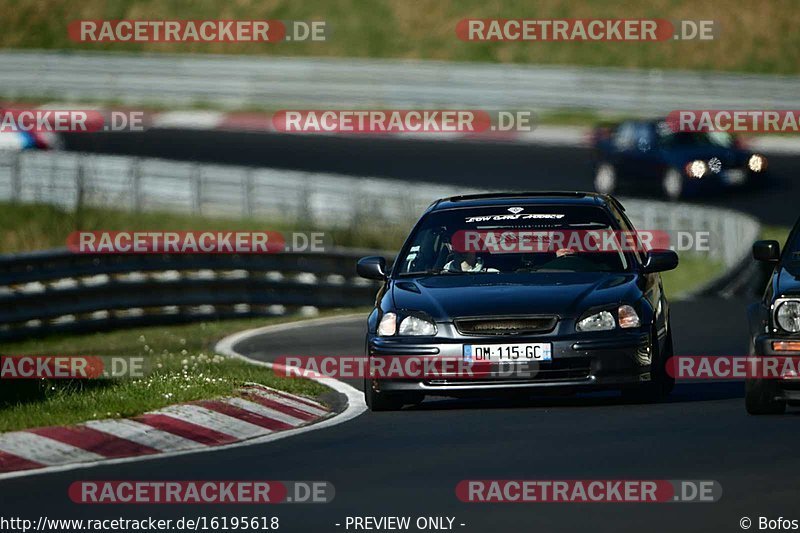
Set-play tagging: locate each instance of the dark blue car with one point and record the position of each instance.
(648, 156)
(538, 320)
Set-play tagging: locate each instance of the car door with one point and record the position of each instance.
(624, 144)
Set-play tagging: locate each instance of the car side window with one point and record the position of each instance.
(625, 225)
(644, 137)
(625, 137)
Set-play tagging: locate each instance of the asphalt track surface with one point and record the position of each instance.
(483, 165)
(409, 462)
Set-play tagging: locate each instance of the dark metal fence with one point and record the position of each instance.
(58, 291)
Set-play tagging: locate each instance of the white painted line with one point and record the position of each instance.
(300, 406)
(209, 419)
(42, 450)
(249, 385)
(259, 409)
(143, 434)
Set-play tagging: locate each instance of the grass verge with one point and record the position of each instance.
(28, 227)
(749, 38)
(184, 365)
(692, 272)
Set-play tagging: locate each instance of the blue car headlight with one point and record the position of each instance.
(417, 324)
(626, 317)
(602, 321)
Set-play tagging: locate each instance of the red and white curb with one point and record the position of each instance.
(256, 415)
(546, 135)
(255, 412)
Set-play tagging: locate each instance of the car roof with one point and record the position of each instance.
(524, 198)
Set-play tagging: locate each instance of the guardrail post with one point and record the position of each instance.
(136, 184)
(197, 190)
(305, 213)
(16, 178)
(80, 191)
(248, 185)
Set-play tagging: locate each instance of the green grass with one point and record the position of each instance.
(692, 272)
(28, 227)
(184, 368)
(755, 37)
(775, 233)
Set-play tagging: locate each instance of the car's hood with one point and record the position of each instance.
(789, 279)
(567, 294)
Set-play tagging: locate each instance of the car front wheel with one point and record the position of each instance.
(672, 184)
(760, 397)
(661, 383)
(381, 401)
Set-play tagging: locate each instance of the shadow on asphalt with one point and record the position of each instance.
(683, 393)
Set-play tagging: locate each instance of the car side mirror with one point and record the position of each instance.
(373, 267)
(660, 261)
(767, 251)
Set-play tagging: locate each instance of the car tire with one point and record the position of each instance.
(665, 379)
(759, 397)
(672, 184)
(381, 401)
(661, 383)
(605, 179)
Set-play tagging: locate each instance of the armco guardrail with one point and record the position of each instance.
(235, 82)
(58, 291)
(308, 199)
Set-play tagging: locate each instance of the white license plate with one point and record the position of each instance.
(735, 176)
(509, 353)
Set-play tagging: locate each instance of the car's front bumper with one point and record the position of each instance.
(579, 362)
(736, 178)
(788, 387)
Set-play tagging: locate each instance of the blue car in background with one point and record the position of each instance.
(648, 156)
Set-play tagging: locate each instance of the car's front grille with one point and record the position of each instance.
(506, 325)
(566, 369)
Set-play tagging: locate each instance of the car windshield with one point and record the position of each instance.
(669, 138)
(793, 246)
(510, 240)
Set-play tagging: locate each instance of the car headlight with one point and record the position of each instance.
(696, 169)
(388, 325)
(415, 325)
(601, 321)
(788, 316)
(628, 317)
(757, 163)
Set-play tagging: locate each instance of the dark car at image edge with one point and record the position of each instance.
(601, 320)
(775, 325)
(646, 156)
